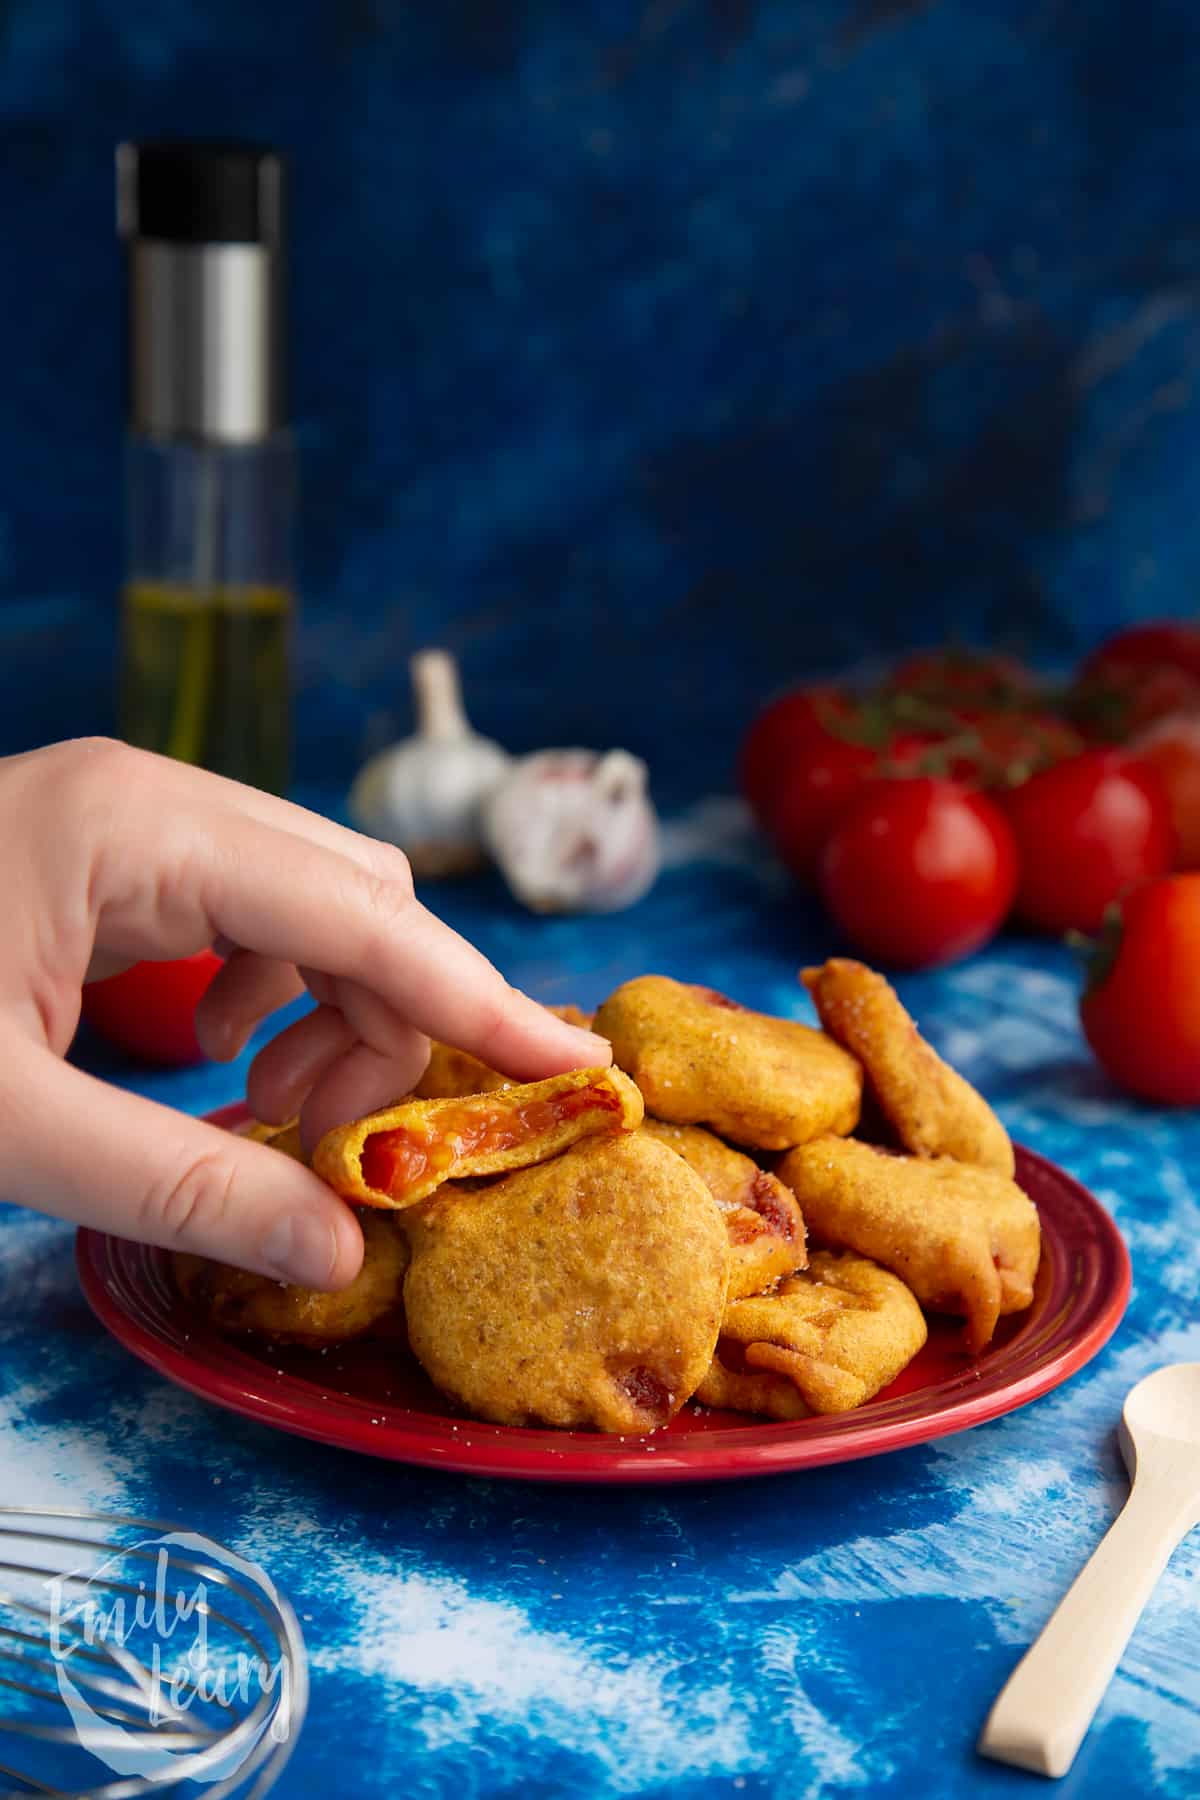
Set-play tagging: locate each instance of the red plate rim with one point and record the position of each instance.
(1083, 1290)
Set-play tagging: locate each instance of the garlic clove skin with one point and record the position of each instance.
(574, 831)
(428, 802)
(426, 793)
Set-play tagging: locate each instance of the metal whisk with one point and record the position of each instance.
(121, 1676)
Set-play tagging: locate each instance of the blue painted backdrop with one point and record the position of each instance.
(647, 354)
(643, 351)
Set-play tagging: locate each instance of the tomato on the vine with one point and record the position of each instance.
(805, 804)
(1141, 1010)
(919, 871)
(149, 1009)
(780, 732)
(1163, 644)
(955, 676)
(1087, 829)
(1172, 746)
(999, 749)
(1136, 678)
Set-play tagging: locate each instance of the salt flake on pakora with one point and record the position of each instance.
(585, 1292)
(762, 1220)
(966, 1240)
(400, 1155)
(933, 1110)
(825, 1342)
(701, 1059)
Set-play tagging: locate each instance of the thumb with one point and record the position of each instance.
(81, 1150)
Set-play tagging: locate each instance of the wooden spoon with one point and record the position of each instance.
(1050, 1698)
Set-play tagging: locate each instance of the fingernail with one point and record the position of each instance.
(229, 1041)
(301, 1249)
(221, 1038)
(601, 1049)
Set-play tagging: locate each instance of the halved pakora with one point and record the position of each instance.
(762, 1220)
(235, 1300)
(701, 1059)
(965, 1240)
(933, 1110)
(825, 1342)
(586, 1291)
(452, 1073)
(399, 1156)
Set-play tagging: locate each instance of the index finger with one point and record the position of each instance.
(449, 990)
(305, 903)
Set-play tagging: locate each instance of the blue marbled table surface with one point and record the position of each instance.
(838, 1631)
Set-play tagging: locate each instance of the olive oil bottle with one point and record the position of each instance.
(207, 606)
(206, 677)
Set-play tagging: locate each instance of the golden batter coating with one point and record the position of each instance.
(965, 1240)
(452, 1073)
(762, 1219)
(933, 1109)
(701, 1059)
(585, 1292)
(287, 1139)
(234, 1300)
(258, 1132)
(279, 1137)
(827, 1341)
(400, 1155)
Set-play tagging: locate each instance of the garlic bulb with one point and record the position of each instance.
(574, 831)
(425, 793)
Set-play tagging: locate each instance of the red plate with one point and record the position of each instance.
(367, 1396)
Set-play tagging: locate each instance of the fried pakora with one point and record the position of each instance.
(452, 1073)
(586, 1291)
(258, 1132)
(278, 1137)
(762, 1220)
(235, 1300)
(933, 1110)
(398, 1157)
(701, 1059)
(966, 1240)
(825, 1342)
(589, 1251)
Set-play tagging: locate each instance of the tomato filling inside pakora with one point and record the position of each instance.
(647, 1391)
(771, 1206)
(764, 1212)
(716, 998)
(392, 1161)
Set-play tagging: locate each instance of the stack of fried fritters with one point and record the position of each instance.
(597, 1249)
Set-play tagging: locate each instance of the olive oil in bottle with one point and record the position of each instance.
(207, 601)
(206, 677)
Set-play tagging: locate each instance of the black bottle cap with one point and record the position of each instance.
(200, 193)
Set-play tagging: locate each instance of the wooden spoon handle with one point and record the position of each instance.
(1049, 1700)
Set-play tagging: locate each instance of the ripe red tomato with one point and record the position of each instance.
(1164, 644)
(1087, 829)
(1141, 1013)
(780, 732)
(919, 871)
(805, 805)
(149, 1010)
(1172, 746)
(1137, 677)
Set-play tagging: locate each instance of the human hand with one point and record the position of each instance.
(113, 855)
